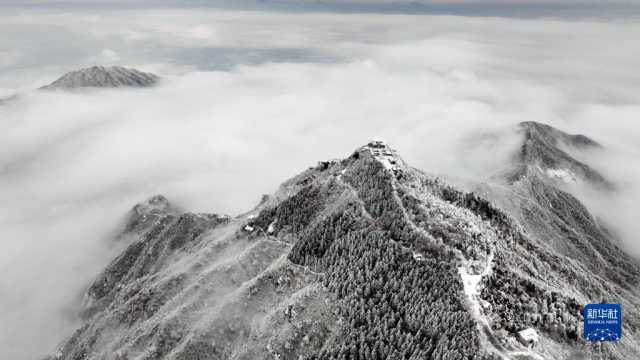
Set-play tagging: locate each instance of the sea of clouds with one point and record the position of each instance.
(249, 99)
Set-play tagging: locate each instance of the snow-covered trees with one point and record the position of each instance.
(391, 306)
(520, 304)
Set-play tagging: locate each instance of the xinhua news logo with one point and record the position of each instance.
(602, 322)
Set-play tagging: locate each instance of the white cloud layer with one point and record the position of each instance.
(296, 88)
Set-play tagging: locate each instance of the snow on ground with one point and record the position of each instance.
(472, 287)
(562, 174)
(471, 284)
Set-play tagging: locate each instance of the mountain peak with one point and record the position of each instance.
(145, 213)
(379, 150)
(547, 151)
(366, 242)
(104, 77)
(555, 136)
(153, 205)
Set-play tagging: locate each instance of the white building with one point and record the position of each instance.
(528, 337)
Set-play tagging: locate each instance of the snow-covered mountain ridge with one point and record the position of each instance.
(358, 258)
(95, 77)
(103, 77)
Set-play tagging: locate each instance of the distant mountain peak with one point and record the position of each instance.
(104, 77)
(154, 205)
(546, 151)
(555, 136)
(147, 212)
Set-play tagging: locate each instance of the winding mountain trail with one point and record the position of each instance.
(471, 283)
(472, 287)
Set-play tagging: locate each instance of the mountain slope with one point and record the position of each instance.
(96, 77)
(363, 258)
(556, 221)
(544, 151)
(103, 77)
(543, 205)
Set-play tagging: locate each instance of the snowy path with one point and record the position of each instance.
(472, 289)
(471, 286)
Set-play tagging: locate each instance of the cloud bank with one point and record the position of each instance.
(249, 99)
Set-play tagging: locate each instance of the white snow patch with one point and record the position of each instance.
(470, 282)
(562, 174)
(471, 286)
(387, 164)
